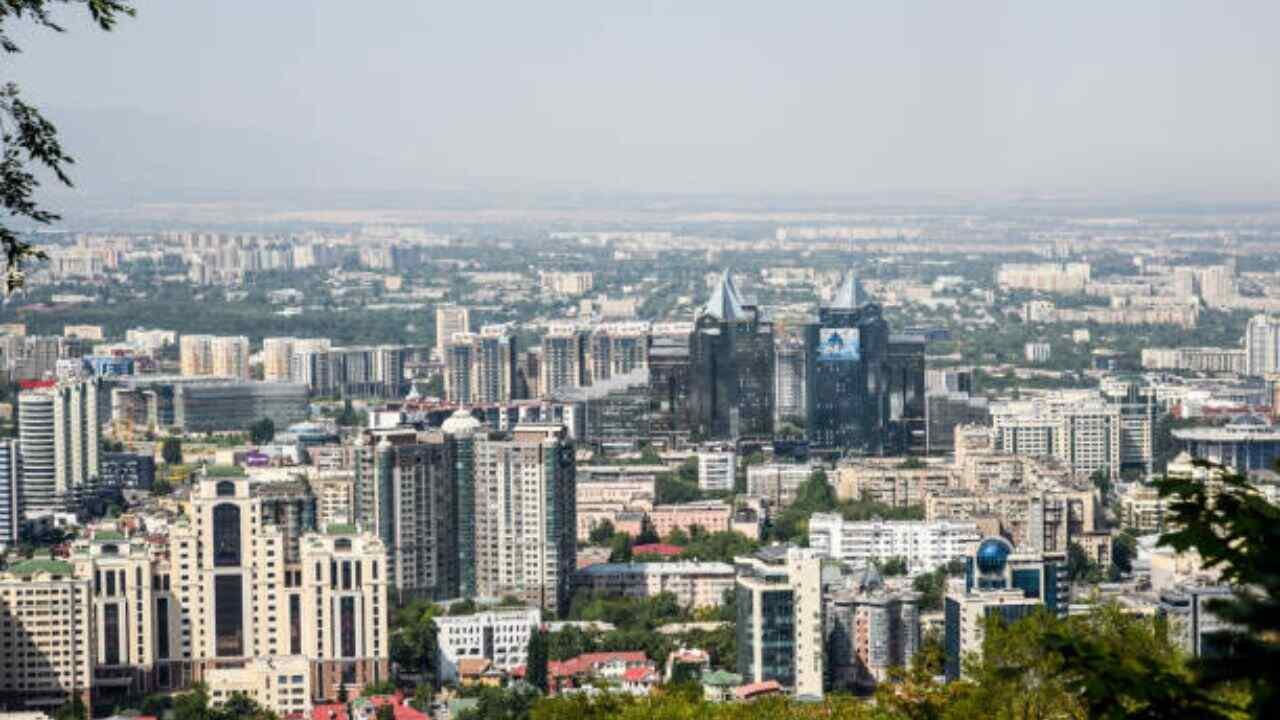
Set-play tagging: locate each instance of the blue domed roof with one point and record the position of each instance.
(993, 553)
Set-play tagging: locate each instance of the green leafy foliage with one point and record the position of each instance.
(536, 664)
(932, 586)
(262, 431)
(511, 703)
(1235, 530)
(675, 489)
(894, 567)
(602, 533)
(413, 638)
(171, 450)
(28, 138)
(817, 495)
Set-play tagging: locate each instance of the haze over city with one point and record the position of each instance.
(674, 97)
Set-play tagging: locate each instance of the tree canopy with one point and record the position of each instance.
(30, 140)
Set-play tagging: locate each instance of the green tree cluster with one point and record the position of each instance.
(263, 431)
(171, 450)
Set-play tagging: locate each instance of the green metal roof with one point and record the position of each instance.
(103, 535)
(721, 678)
(223, 471)
(341, 529)
(38, 565)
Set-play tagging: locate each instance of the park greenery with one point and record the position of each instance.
(817, 495)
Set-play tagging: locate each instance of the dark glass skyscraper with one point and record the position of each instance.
(863, 385)
(731, 359)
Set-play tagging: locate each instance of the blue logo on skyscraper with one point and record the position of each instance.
(839, 344)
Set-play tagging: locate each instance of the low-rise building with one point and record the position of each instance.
(890, 482)
(777, 482)
(279, 684)
(500, 636)
(924, 546)
(710, 516)
(694, 584)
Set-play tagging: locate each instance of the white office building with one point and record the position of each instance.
(922, 544)
(500, 636)
(716, 470)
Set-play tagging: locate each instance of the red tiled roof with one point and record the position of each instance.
(587, 661)
(402, 711)
(751, 690)
(657, 549)
(323, 712)
(636, 674)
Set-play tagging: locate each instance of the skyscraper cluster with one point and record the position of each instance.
(464, 513)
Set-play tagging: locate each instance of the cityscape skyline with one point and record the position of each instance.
(414, 361)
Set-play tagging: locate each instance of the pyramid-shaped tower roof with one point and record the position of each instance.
(849, 295)
(725, 303)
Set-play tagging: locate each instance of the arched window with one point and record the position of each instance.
(226, 535)
(342, 545)
(226, 488)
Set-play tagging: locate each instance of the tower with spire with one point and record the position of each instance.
(731, 358)
(847, 405)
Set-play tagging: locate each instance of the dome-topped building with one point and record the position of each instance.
(993, 554)
(461, 422)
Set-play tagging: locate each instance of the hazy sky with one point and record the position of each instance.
(695, 95)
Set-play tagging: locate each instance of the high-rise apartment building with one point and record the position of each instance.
(617, 349)
(405, 492)
(220, 356)
(870, 628)
(450, 320)
(1262, 345)
(525, 529)
(37, 456)
(47, 650)
(780, 625)
(59, 442)
(277, 354)
(459, 362)
(10, 493)
(564, 358)
(481, 368)
(195, 354)
(1081, 429)
(731, 379)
